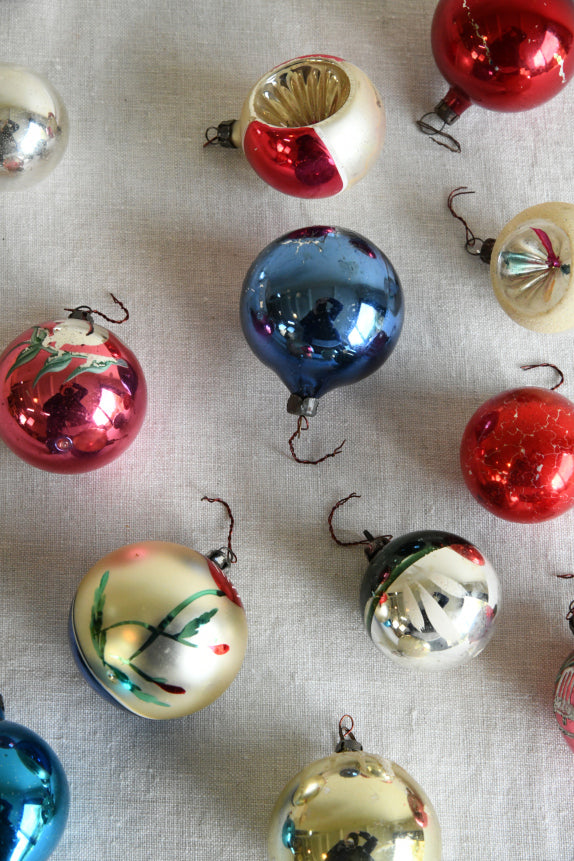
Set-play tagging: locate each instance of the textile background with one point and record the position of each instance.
(138, 207)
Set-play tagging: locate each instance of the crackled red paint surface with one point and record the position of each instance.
(517, 455)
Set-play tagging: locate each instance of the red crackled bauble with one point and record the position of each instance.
(72, 396)
(509, 56)
(517, 455)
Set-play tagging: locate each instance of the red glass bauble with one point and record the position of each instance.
(508, 56)
(517, 455)
(72, 398)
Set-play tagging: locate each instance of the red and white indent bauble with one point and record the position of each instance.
(311, 127)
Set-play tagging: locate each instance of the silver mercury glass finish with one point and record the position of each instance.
(430, 607)
(534, 267)
(33, 127)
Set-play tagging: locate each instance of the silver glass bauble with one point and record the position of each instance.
(353, 806)
(430, 600)
(33, 127)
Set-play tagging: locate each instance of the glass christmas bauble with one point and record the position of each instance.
(34, 796)
(353, 806)
(72, 397)
(158, 628)
(517, 455)
(429, 600)
(531, 268)
(564, 700)
(509, 56)
(311, 127)
(33, 127)
(322, 307)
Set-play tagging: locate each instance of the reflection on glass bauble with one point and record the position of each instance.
(34, 796)
(353, 806)
(302, 93)
(430, 600)
(564, 700)
(322, 307)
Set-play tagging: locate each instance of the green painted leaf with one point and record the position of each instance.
(154, 680)
(96, 367)
(122, 677)
(53, 364)
(97, 617)
(27, 354)
(168, 619)
(38, 335)
(99, 597)
(191, 629)
(148, 698)
(134, 689)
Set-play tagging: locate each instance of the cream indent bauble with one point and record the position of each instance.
(531, 268)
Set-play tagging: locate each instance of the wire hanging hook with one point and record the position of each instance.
(221, 135)
(371, 544)
(546, 365)
(85, 312)
(438, 135)
(472, 246)
(347, 740)
(230, 554)
(297, 435)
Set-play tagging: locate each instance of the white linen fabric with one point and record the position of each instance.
(138, 207)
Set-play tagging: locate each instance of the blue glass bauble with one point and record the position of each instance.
(322, 307)
(33, 794)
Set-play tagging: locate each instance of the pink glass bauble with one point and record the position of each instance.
(564, 700)
(73, 396)
(517, 455)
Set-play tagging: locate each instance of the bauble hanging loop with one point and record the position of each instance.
(429, 599)
(530, 264)
(506, 57)
(303, 425)
(353, 806)
(158, 629)
(34, 794)
(72, 395)
(517, 454)
(322, 307)
(33, 127)
(310, 127)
